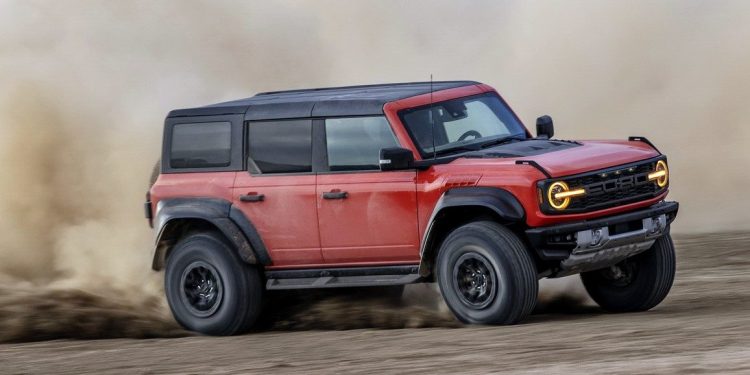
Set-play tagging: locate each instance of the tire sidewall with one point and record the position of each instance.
(208, 249)
(466, 241)
(653, 278)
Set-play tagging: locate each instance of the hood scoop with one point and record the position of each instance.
(526, 148)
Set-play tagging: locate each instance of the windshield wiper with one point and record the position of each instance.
(500, 141)
(470, 147)
(480, 145)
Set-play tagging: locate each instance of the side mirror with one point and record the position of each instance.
(396, 158)
(544, 127)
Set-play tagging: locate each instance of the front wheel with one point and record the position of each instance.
(209, 288)
(637, 283)
(486, 275)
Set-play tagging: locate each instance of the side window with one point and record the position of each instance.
(201, 145)
(281, 146)
(354, 143)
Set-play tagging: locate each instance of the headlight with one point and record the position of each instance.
(559, 194)
(660, 174)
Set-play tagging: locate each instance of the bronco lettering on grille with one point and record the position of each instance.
(617, 184)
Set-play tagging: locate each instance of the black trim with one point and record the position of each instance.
(644, 140)
(342, 272)
(319, 149)
(427, 163)
(500, 201)
(437, 85)
(252, 197)
(221, 214)
(538, 236)
(252, 235)
(335, 195)
(181, 208)
(535, 165)
(147, 210)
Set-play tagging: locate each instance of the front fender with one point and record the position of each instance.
(499, 201)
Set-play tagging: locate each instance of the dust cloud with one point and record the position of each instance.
(34, 314)
(84, 87)
(418, 306)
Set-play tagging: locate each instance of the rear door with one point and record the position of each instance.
(365, 216)
(277, 192)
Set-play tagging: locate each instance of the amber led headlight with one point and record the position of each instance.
(660, 174)
(559, 194)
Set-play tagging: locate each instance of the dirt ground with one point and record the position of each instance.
(703, 326)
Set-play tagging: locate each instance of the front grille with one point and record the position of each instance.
(612, 187)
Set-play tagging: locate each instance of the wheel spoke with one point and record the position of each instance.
(474, 280)
(201, 288)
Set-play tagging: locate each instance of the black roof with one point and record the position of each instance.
(321, 102)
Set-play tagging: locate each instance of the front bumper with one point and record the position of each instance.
(598, 243)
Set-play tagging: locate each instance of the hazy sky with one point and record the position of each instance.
(85, 85)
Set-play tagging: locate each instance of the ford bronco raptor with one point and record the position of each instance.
(386, 185)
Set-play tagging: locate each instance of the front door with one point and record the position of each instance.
(277, 193)
(365, 216)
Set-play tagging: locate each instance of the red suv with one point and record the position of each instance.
(386, 185)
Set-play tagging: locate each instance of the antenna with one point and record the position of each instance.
(432, 122)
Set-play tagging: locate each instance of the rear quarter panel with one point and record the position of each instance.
(192, 185)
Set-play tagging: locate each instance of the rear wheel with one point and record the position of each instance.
(486, 275)
(209, 288)
(636, 284)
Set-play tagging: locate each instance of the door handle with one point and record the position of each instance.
(252, 197)
(335, 194)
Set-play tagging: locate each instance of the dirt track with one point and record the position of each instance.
(703, 326)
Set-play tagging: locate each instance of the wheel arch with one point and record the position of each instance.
(178, 216)
(459, 206)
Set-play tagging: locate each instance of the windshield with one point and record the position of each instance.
(461, 124)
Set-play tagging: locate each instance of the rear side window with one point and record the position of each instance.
(201, 145)
(281, 146)
(354, 143)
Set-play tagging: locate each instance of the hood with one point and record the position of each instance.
(562, 158)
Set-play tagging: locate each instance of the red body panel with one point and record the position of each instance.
(192, 185)
(385, 215)
(287, 218)
(376, 222)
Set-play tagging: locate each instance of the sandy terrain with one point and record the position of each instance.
(703, 326)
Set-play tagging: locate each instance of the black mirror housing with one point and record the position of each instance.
(544, 127)
(395, 159)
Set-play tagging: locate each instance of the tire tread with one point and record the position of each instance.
(524, 273)
(248, 281)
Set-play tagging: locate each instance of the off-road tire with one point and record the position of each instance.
(507, 264)
(239, 294)
(647, 280)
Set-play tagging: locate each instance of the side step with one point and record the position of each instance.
(342, 277)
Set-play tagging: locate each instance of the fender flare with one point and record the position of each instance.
(500, 201)
(219, 213)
